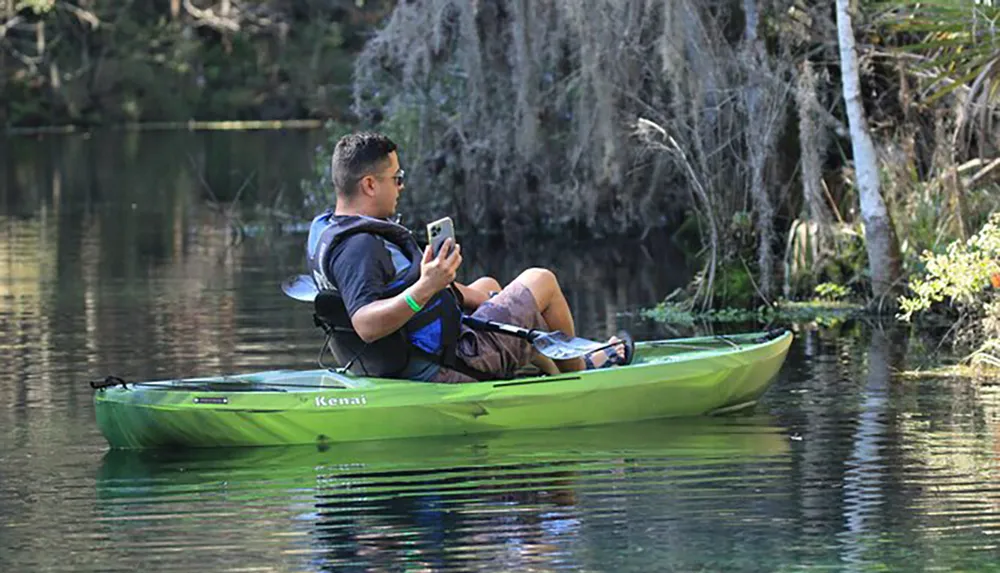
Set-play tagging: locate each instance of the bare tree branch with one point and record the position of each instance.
(208, 17)
(4, 28)
(84, 15)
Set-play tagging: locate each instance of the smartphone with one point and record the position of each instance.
(438, 232)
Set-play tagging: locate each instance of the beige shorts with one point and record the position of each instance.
(492, 352)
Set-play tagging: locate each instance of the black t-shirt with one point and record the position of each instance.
(361, 268)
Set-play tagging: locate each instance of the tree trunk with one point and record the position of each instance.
(760, 135)
(40, 39)
(805, 257)
(880, 236)
(812, 141)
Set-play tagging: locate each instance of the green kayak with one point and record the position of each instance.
(668, 378)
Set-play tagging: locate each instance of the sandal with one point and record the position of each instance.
(611, 354)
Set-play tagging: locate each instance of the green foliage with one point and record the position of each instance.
(734, 286)
(36, 6)
(961, 275)
(831, 291)
(823, 313)
(964, 280)
(958, 37)
(809, 261)
(954, 46)
(137, 62)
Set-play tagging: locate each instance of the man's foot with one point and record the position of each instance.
(619, 353)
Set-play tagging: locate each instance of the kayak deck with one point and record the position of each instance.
(669, 378)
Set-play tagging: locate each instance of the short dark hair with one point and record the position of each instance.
(357, 155)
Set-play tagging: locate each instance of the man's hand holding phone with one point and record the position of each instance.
(438, 232)
(439, 271)
(442, 257)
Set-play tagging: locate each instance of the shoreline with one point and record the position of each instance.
(191, 125)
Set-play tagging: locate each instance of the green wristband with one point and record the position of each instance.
(413, 304)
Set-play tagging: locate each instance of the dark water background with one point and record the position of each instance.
(116, 256)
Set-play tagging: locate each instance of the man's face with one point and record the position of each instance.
(388, 185)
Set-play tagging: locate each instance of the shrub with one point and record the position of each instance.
(963, 281)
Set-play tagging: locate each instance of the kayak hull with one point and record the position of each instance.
(677, 378)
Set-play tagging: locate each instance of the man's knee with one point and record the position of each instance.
(489, 284)
(539, 276)
(543, 286)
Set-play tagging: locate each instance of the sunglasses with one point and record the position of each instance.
(399, 178)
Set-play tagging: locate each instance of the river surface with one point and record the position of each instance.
(144, 256)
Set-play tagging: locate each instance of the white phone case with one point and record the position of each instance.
(438, 232)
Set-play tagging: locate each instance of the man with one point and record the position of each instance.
(398, 310)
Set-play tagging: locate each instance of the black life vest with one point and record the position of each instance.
(431, 333)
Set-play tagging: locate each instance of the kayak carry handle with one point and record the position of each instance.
(108, 382)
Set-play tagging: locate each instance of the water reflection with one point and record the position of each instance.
(510, 502)
(889, 468)
(867, 483)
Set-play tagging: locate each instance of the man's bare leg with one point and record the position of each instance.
(478, 292)
(544, 363)
(487, 285)
(555, 310)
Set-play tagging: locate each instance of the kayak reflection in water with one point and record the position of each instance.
(396, 310)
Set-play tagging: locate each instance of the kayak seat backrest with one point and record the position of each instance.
(330, 312)
(348, 349)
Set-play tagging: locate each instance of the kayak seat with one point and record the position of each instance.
(330, 314)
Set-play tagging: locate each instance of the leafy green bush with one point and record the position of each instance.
(140, 62)
(820, 312)
(961, 274)
(963, 281)
(831, 253)
(831, 291)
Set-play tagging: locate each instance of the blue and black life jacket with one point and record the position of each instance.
(430, 334)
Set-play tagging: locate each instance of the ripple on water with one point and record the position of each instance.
(519, 500)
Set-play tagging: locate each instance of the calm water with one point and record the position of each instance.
(116, 257)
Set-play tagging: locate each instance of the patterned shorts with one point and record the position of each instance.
(492, 352)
